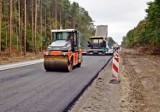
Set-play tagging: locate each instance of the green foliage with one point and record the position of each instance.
(69, 15)
(147, 31)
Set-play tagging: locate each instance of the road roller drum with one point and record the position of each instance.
(63, 65)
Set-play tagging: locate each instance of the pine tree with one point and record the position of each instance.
(10, 33)
(25, 27)
(0, 24)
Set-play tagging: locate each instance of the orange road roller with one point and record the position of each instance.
(64, 52)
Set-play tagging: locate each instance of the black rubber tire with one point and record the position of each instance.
(78, 65)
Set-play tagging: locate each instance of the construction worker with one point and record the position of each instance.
(68, 38)
(104, 45)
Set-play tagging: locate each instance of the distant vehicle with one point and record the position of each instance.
(97, 45)
(110, 51)
(84, 51)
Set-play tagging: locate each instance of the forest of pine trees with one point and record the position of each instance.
(25, 24)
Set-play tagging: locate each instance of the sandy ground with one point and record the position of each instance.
(18, 57)
(138, 90)
(140, 82)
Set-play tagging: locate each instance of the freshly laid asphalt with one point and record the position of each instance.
(32, 89)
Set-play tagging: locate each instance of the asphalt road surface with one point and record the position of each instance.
(32, 89)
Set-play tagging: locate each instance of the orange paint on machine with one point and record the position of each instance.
(56, 53)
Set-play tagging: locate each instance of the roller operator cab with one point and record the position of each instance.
(64, 52)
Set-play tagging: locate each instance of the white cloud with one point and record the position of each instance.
(120, 16)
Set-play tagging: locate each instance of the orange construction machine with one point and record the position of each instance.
(64, 52)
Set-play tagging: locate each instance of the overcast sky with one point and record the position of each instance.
(119, 15)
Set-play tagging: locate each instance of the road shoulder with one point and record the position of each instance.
(19, 64)
(101, 96)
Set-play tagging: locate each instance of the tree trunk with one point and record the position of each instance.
(41, 23)
(55, 12)
(6, 44)
(35, 26)
(14, 24)
(7, 25)
(45, 24)
(0, 25)
(10, 34)
(33, 47)
(19, 25)
(60, 15)
(25, 27)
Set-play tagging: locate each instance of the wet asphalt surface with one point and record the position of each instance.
(32, 89)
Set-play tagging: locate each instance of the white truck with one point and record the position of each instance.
(102, 30)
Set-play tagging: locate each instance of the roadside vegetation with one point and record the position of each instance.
(25, 24)
(147, 33)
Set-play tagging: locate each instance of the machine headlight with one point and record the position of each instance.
(49, 48)
(47, 52)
